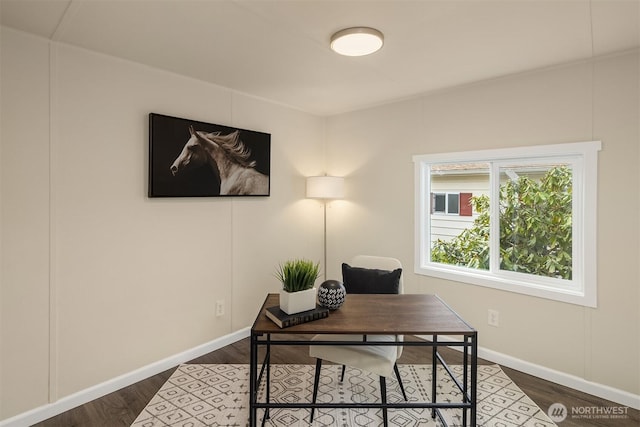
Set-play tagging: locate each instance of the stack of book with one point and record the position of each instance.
(285, 320)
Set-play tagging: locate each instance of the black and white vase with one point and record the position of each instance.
(331, 294)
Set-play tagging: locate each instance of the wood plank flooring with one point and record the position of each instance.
(123, 406)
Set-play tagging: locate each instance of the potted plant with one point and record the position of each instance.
(297, 277)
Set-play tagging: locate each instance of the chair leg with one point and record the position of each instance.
(395, 368)
(315, 386)
(342, 374)
(383, 394)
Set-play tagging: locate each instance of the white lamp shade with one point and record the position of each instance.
(325, 187)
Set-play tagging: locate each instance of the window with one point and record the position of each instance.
(439, 203)
(521, 220)
(446, 203)
(453, 203)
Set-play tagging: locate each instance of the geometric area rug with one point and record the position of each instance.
(218, 395)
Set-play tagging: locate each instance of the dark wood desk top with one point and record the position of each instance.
(388, 314)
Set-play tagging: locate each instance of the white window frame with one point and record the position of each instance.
(582, 288)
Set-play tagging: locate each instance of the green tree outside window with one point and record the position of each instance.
(535, 228)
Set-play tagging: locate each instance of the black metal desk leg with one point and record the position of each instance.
(434, 377)
(268, 384)
(253, 372)
(465, 377)
(474, 379)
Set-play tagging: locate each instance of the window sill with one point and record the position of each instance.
(478, 278)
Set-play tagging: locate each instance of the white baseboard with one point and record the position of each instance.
(600, 390)
(84, 396)
(87, 395)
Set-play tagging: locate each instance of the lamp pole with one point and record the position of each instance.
(324, 232)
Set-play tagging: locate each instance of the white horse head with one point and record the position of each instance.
(193, 154)
(228, 156)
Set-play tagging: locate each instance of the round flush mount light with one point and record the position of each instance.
(357, 41)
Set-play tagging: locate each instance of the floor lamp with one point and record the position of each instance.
(325, 188)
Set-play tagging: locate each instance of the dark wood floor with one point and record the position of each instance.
(122, 407)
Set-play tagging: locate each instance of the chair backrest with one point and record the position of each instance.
(379, 262)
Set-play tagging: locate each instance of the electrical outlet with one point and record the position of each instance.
(220, 307)
(494, 318)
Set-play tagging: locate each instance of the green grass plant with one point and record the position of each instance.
(297, 274)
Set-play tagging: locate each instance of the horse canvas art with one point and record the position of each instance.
(214, 161)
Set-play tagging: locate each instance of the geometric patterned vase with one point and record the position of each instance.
(331, 294)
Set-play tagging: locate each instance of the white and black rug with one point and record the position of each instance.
(218, 395)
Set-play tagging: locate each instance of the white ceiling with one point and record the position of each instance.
(279, 50)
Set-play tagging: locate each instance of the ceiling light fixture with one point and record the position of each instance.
(357, 41)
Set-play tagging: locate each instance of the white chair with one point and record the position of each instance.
(379, 360)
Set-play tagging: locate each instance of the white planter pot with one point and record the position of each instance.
(295, 302)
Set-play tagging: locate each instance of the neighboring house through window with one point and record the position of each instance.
(521, 220)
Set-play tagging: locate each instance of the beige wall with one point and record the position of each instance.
(580, 102)
(98, 280)
(24, 224)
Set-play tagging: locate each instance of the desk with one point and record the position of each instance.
(375, 314)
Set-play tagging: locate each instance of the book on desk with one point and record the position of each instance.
(284, 320)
